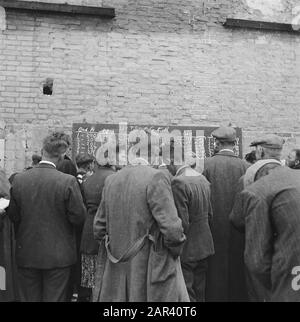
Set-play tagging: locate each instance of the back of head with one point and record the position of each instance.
(64, 137)
(272, 153)
(54, 146)
(84, 160)
(251, 157)
(36, 159)
(268, 147)
(225, 136)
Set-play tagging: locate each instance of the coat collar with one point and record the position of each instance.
(46, 165)
(227, 153)
(181, 170)
(187, 171)
(47, 162)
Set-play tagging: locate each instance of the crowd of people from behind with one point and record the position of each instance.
(92, 231)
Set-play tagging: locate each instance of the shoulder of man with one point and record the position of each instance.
(160, 176)
(260, 189)
(23, 176)
(179, 181)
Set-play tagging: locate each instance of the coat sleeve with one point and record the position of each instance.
(75, 207)
(162, 206)
(236, 216)
(210, 208)
(181, 202)
(258, 250)
(13, 211)
(206, 171)
(100, 220)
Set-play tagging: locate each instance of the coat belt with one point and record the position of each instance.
(131, 251)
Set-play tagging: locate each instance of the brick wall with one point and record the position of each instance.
(159, 62)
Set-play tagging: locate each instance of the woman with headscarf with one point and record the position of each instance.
(92, 190)
(8, 275)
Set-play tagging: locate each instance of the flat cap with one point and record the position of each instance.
(83, 158)
(225, 133)
(269, 141)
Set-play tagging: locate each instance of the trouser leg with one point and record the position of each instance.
(31, 286)
(188, 274)
(200, 280)
(55, 284)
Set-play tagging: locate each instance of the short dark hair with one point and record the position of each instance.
(63, 136)
(251, 157)
(297, 151)
(36, 158)
(84, 160)
(55, 145)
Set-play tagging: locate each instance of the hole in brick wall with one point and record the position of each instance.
(48, 86)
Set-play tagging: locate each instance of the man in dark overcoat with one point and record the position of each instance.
(45, 206)
(223, 171)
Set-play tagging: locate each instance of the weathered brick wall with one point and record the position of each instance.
(158, 62)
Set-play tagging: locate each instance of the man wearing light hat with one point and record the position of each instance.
(223, 171)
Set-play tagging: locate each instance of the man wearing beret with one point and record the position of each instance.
(223, 171)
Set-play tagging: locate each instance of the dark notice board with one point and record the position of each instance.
(86, 136)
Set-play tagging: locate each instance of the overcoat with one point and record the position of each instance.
(138, 220)
(7, 250)
(271, 208)
(223, 171)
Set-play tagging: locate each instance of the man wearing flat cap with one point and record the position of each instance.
(223, 171)
(268, 152)
(268, 212)
(268, 147)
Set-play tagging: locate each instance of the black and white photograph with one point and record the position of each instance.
(149, 154)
